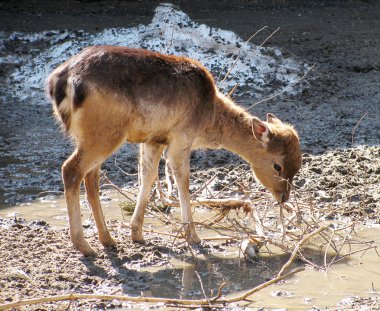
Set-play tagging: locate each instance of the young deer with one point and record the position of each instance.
(107, 95)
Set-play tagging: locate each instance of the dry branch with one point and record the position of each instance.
(355, 127)
(230, 203)
(237, 51)
(298, 246)
(178, 302)
(302, 223)
(284, 90)
(237, 58)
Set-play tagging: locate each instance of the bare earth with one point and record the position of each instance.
(341, 165)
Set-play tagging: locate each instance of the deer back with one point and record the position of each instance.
(148, 93)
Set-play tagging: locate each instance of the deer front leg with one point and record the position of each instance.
(149, 160)
(92, 190)
(72, 178)
(179, 158)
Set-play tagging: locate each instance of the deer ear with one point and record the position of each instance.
(260, 131)
(271, 118)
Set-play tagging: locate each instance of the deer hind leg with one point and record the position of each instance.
(72, 174)
(179, 157)
(84, 163)
(92, 190)
(149, 159)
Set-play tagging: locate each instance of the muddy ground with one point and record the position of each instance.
(341, 165)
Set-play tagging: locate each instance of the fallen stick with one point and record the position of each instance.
(231, 203)
(220, 238)
(259, 287)
(298, 246)
(216, 238)
(184, 302)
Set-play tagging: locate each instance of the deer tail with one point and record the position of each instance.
(66, 94)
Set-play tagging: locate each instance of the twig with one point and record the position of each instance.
(283, 229)
(231, 203)
(163, 215)
(237, 51)
(228, 72)
(169, 183)
(355, 252)
(355, 127)
(204, 186)
(327, 248)
(270, 36)
(283, 91)
(260, 287)
(219, 294)
(119, 190)
(171, 41)
(202, 287)
(237, 58)
(220, 238)
(296, 249)
(124, 172)
(230, 93)
(259, 225)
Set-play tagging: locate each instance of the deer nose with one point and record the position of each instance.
(284, 197)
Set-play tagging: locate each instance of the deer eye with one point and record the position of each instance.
(277, 167)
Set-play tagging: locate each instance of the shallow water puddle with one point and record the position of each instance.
(52, 209)
(356, 277)
(219, 262)
(360, 276)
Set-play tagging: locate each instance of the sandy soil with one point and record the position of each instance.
(339, 168)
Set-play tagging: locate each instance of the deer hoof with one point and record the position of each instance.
(86, 250)
(83, 246)
(138, 239)
(136, 234)
(108, 242)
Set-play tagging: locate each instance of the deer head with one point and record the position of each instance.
(280, 158)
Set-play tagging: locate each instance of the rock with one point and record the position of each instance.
(250, 250)
(342, 170)
(317, 170)
(301, 182)
(282, 294)
(355, 198)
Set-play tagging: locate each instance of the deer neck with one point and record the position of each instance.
(231, 129)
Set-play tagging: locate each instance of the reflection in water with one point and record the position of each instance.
(188, 279)
(310, 287)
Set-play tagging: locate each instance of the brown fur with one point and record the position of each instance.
(106, 96)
